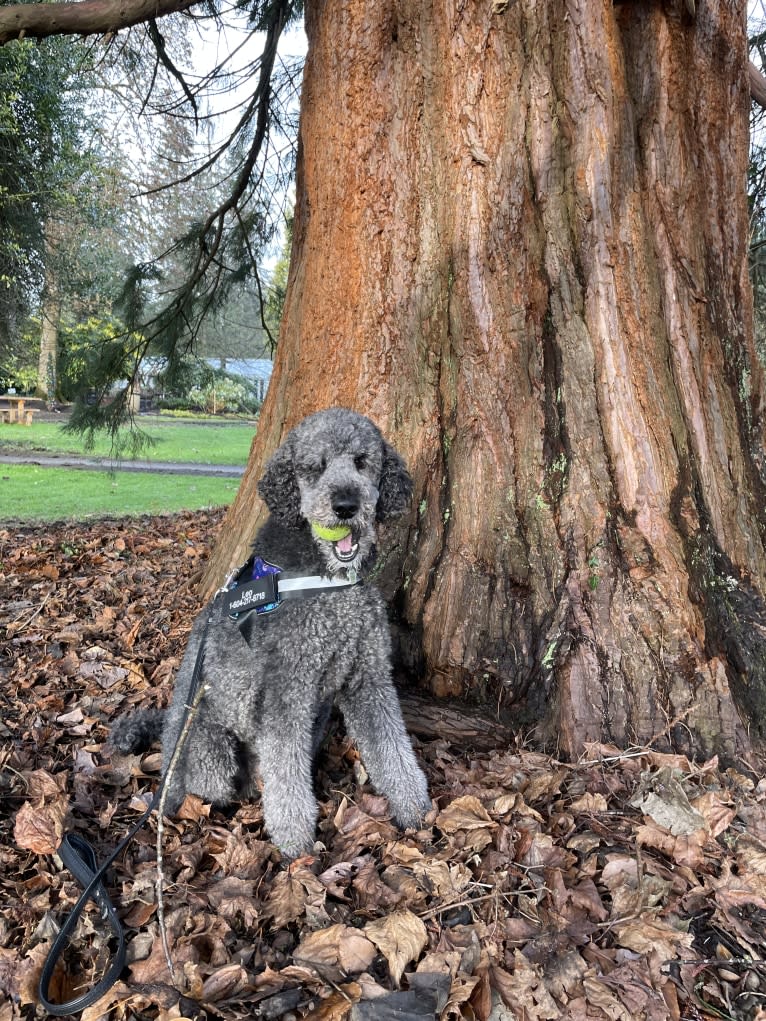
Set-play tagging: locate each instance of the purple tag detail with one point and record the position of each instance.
(262, 567)
(245, 595)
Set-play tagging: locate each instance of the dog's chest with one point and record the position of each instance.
(318, 640)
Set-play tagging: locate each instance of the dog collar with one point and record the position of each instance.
(261, 586)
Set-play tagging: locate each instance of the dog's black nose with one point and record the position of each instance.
(345, 504)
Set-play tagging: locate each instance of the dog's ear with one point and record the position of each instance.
(395, 485)
(279, 487)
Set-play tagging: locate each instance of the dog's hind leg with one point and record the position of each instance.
(137, 731)
(215, 767)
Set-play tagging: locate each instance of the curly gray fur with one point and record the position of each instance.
(271, 677)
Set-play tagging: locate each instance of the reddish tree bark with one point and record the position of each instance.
(520, 246)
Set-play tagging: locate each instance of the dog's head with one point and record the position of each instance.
(336, 472)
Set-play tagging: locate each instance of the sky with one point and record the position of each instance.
(240, 49)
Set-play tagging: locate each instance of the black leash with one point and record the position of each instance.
(80, 858)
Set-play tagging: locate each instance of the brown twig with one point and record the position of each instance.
(159, 885)
(25, 625)
(467, 902)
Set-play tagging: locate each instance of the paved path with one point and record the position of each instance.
(223, 471)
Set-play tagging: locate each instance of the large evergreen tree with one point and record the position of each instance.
(521, 244)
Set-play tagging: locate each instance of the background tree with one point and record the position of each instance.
(138, 171)
(64, 233)
(275, 303)
(38, 133)
(167, 301)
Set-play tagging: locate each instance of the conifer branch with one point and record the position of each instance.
(87, 17)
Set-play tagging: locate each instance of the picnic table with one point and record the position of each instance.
(12, 409)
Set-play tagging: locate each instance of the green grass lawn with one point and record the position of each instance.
(30, 493)
(227, 443)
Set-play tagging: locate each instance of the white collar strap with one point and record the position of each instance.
(261, 586)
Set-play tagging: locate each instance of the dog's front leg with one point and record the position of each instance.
(284, 746)
(373, 717)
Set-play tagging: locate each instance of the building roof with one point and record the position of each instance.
(250, 368)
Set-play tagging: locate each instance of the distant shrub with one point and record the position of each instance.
(197, 386)
(222, 394)
(182, 413)
(172, 404)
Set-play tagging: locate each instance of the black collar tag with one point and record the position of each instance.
(254, 595)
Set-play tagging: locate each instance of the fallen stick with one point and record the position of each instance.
(159, 885)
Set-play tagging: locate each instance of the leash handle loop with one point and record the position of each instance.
(80, 858)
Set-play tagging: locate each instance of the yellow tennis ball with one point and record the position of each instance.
(330, 534)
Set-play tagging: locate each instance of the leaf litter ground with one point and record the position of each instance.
(626, 886)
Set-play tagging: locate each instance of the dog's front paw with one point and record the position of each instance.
(410, 817)
(292, 845)
(291, 824)
(411, 802)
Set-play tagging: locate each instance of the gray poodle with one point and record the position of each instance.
(273, 674)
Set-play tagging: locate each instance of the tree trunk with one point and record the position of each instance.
(50, 316)
(520, 247)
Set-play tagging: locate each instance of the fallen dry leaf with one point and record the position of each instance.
(466, 813)
(371, 891)
(589, 803)
(291, 892)
(243, 855)
(119, 995)
(41, 786)
(335, 952)
(232, 898)
(663, 798)
(523, 990)
(648, 934)
(718, 815)
(467, 821)
(39, 828)
(225, 983)
(363, 826)
(337, 1006)
(684, 850)
(601, 997)
(440, 878)
(400, 937)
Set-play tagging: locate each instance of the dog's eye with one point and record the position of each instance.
(311, 469)
(360, 462)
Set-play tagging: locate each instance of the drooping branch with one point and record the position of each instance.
(172, 328)
(88, 17)
(158, 41)
(757, 85)
(212, 232)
